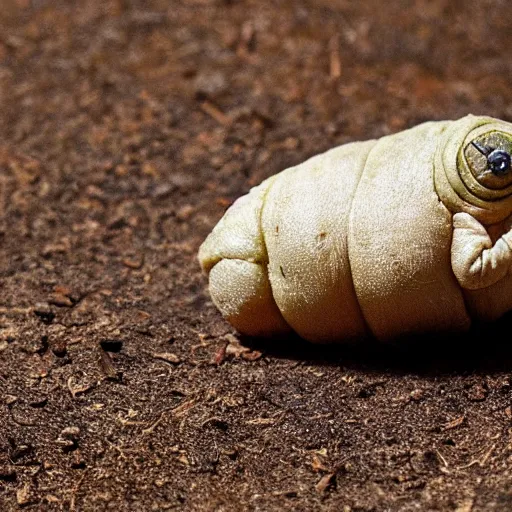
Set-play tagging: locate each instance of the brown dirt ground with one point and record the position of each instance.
(126, 129)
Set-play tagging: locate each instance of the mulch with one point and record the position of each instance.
(127, 127)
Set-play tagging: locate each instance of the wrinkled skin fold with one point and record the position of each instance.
(411, 233)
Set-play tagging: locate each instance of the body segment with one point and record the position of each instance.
(399, 240)
(305, 221)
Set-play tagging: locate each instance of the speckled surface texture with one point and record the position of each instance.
(126, 129)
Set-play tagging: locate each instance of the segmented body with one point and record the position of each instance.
(355, 242)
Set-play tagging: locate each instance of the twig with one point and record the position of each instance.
(481, 462)
(152, 427)
(334, 55)
(15, 311)
(214, 112)
(441, 458)
(75, 491)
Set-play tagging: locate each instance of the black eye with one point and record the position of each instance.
(499, 162)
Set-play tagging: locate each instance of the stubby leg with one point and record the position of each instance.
(477, 262)
(241, 290)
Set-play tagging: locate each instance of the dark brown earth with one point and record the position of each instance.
(126, 129)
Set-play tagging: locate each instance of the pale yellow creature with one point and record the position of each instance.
(411, 233)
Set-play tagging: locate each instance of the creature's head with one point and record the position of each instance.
(473, 175)
(473, 168)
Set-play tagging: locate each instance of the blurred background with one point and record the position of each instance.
(127, 127)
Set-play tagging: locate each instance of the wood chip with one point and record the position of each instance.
(182, 409)
(107, 366)
(133, 263)
(63, 290)
(80, 389)
(224, 202)
(235, 349)
(247, 39)
(10, 399)
(317, 464)
(168, 357)
(184, 459)
(334, 54)
(61, 300)
(214, 112)
(324, 483)
(263, 421)
(252, 355)
(220, 356)
(25, 495)
(454, 423)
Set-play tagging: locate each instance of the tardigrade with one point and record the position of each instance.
(410, 233)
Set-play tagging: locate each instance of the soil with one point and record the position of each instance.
(127, 127)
